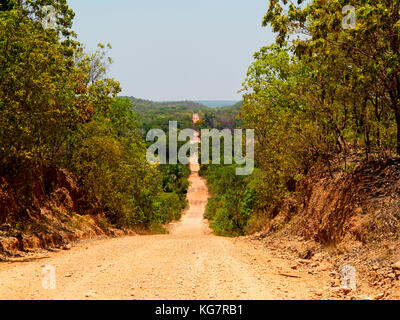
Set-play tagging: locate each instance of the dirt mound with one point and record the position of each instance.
(22, 195)
(45, 208)
(333, 204)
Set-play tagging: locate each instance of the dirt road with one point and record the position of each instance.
(188, 263)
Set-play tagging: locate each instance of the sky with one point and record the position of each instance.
(166, 50)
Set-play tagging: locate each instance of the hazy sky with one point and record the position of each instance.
(176, 49)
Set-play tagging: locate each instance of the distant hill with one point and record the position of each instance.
(156, 115)
(141, 105)
(235, 106)
(217, 103)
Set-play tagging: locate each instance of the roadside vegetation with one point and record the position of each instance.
(321, 95)
(60, 110)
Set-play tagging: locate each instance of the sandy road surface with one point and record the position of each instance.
(188, 263)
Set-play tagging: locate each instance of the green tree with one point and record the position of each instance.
(371, 49)
(38, 87)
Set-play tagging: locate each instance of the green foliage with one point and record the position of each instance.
(354, 72)
(159, 118)
(33, 10)
(175, 180)
(111, 167)
(232, 201)
(320, 92)
(58, 109)
(291, 132)
(221, 118)
(167, 207)
(156, 115)
(37, 90)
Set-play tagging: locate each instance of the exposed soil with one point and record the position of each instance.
(44, 208)
(344, 214)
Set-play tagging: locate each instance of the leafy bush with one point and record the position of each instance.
(232, 201)
(58, 109)
(167, 207)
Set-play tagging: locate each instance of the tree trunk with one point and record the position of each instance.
(398, 132)
(396, 109)
(367, 141)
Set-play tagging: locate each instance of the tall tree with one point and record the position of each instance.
(371, 48)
